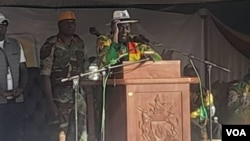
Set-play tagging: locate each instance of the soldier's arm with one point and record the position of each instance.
(46, 59)
(47, 89)
(82, 56)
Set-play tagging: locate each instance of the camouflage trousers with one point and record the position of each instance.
(67, 120)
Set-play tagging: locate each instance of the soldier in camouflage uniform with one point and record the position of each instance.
(63, 56)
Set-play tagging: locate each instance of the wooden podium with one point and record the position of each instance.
(149, 103)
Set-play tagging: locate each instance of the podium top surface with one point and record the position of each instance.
(148, 72)
(152, 70)
(141, 81)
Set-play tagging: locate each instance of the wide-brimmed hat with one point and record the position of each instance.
(3, 19)
(123, 16)
(66, 15)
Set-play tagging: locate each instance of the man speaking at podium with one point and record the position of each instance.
(121, 45)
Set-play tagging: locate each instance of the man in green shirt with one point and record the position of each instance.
(120, 45)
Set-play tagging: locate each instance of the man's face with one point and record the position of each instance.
(124, 31)
(67, 27)
(3, 28)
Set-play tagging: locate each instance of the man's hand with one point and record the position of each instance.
(53, 111)
(114, 27)
(203, 122)
(17, 92)
(8, 94)
(13, 93)
(115, 30)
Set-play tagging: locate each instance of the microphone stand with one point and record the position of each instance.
(103, 69)
(76, 91)
(209, 69)
(209, 66)
(76, 79)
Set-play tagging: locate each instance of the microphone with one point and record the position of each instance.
(141, 39)
(94, 31)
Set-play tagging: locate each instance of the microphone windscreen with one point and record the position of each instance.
(94, 31)
(140, 39)
(144, 38)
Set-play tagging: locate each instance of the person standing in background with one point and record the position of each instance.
(62, 56)
(13, 76)
(238, 101)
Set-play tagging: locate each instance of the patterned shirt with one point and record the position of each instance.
(239, 99)
(111, 53)
(59, 60)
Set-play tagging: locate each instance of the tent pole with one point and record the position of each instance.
(204, 45)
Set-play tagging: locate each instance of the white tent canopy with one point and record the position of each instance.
(185, 32)
(87, 3)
